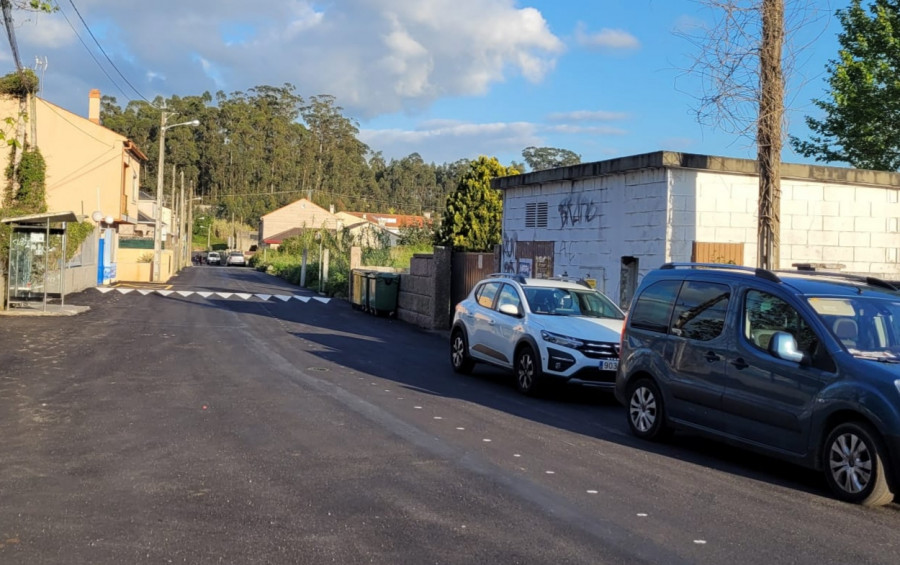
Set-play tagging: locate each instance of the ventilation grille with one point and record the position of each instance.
(536, 215)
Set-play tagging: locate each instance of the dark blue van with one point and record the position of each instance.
(799, 365)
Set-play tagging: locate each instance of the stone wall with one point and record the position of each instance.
(424, 298)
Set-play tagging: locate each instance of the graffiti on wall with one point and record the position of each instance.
(567, 252)
(510, 242)
(573, 209)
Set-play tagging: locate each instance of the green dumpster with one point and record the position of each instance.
(359, 296)
(384, 288)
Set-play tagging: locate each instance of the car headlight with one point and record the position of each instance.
(562, 340)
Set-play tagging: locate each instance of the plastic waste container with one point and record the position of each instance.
(384, 288)
(359, 297)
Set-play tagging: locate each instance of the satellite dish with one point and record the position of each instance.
(97, 216)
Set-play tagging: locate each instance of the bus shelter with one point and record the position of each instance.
(35, 267)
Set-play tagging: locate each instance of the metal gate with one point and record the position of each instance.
(466, 269)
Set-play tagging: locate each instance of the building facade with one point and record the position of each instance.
(612, 221)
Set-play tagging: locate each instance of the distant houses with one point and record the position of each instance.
(367, 229)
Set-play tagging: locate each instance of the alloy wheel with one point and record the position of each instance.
(851, 463)
(642, 409)
(525, 371)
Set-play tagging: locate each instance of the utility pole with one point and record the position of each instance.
(768, 139)
(181, 240)
(190, 221)
(157, 231)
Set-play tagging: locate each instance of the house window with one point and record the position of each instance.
(536, 215)
(892, 225)
(891, 255)
(892, 196)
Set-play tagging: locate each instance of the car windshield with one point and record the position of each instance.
(571, 302)
(867, 326)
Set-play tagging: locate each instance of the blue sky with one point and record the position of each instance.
(447, 79)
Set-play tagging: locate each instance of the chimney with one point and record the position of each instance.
(94, 106)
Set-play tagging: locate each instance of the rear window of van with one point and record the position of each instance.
(652, 309)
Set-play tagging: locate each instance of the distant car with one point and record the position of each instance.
(235, 258)
(543, 329)
(213, 258)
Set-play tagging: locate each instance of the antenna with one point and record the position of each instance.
(41, 65)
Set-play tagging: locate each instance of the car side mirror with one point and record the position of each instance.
(784, 346)
(510, 310)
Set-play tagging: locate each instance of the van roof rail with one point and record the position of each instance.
(762, 273)
(868, 279)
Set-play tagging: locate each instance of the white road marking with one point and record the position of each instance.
(208, 293)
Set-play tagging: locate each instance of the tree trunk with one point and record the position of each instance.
(771, 111)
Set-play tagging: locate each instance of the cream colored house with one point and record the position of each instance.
(365, 232)
(93, 172)
(275, 226)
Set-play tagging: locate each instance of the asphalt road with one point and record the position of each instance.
(220, 428)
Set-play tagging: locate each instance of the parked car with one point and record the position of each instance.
(803, 366)
(213, 258)
(544, 329)
(235, 258)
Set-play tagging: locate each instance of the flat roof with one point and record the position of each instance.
(675, 160)
(42, 219)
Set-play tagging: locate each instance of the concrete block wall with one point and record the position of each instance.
(856, 226)
(594, 222)
(424, 298)
(726, 211)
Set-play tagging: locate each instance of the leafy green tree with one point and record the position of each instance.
(540, 158)
(861, 125)
(474, 213)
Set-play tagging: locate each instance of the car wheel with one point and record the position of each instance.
(528, 371)
(459, 353)
(854, 465)
(646, 411)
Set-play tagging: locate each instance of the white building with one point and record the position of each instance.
(614, 220)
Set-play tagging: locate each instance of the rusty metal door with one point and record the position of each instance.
(466, 269)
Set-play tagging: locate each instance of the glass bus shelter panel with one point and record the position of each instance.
(35, 264)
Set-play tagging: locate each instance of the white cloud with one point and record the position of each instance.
(587, 116)
(585, 130)
(374, 56)
(448, 140)
(606, 38)
(443, 141)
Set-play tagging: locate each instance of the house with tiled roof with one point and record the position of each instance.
(292, 220)
(394, 222)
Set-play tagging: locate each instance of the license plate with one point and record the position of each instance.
(609, 365)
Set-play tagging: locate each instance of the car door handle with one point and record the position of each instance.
(711, 357)
(739, 363)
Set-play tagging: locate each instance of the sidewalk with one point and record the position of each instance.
(51, 310)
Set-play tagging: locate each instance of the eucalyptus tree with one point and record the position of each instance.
(540, 158)
(334, 157)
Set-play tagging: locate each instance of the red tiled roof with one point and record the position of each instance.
(393, 220)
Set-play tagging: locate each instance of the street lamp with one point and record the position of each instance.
(157, 232)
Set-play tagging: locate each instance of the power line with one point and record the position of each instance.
(91, 53)
(72, 2)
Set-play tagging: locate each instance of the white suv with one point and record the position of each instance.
(542, 328)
